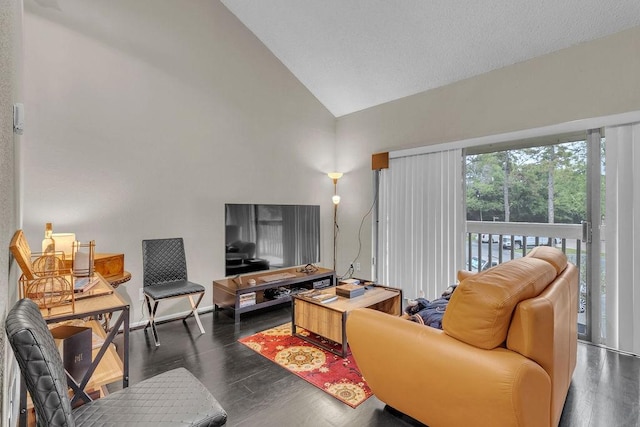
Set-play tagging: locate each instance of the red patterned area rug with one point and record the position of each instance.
(337, 376)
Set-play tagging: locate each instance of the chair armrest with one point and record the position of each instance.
(424, 373)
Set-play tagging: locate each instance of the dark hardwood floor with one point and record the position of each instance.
(256, 392)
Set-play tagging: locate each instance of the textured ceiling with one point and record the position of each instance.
(355, 54)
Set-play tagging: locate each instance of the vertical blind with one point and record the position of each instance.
(421, 223)
(622, 238)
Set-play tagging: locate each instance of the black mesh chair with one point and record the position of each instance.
(173, 398)
(165, 276)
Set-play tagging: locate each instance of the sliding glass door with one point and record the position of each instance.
(543, 191)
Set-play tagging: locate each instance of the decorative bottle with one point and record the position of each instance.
(49, 248)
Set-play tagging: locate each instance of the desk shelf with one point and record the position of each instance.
(110, 368)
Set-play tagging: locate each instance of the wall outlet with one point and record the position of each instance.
(141, 295)
(357, 266)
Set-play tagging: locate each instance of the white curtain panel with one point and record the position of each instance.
(421, 223)
(622, 239)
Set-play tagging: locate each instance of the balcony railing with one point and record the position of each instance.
(492, 243)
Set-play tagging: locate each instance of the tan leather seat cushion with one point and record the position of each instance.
(480, 309)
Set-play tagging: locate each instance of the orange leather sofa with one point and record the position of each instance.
(505, 356)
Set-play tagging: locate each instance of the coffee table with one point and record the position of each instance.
(329, 319)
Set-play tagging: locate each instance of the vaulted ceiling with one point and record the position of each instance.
(355, 54)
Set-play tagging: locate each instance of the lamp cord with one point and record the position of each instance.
(349, 273)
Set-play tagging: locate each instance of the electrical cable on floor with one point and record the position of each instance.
(142, 307)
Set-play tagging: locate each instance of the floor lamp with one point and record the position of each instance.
(335, 176)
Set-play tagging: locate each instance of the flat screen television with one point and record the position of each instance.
(263, 237)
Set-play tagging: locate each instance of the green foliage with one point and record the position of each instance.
(528, 174)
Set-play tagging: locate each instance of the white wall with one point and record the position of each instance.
(146, 117)
(10, 60)
(594, 79)
(117, 88)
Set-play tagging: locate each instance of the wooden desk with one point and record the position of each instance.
(106, 366)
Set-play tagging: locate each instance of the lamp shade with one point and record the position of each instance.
(335, 175)
(335, 199)
(64, 242)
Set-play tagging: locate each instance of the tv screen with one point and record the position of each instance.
(263, 237)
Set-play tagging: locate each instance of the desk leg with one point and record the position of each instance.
(78, 388)
(344, 334)
(22, 416)
(293, 317)
(125, 349)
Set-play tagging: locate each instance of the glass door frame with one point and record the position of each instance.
(592, 236)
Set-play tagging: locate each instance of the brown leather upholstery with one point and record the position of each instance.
(545, 329)
(480, 309)
(513, 375)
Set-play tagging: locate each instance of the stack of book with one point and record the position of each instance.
(247, 299)
(349, 290)
(316, 295)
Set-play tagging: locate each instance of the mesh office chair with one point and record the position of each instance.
(165, 276)
(173, 398)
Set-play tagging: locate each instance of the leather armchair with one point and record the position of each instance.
(173, 398)
(505, 356)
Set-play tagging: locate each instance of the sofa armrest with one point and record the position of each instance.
(441, 381)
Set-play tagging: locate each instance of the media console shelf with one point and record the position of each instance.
(239, 296)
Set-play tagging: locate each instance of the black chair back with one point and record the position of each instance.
(40, 363)
(163, 260)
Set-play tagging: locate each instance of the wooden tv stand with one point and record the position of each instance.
(236, 294)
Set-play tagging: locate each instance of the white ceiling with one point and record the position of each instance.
(355, 54)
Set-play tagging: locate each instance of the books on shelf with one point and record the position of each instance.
(319, 296)
(247, 299)
(83, 284)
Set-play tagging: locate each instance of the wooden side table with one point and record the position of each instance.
(118, 279)
(329, 319)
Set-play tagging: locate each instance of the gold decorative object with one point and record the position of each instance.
(49, 291)
(47, 287)
(48, 265)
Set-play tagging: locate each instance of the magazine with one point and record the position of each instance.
(83, 284)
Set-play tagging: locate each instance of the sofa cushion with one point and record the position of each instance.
(553, 256)
(480, 309)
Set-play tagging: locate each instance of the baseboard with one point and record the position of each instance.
(615, 350)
